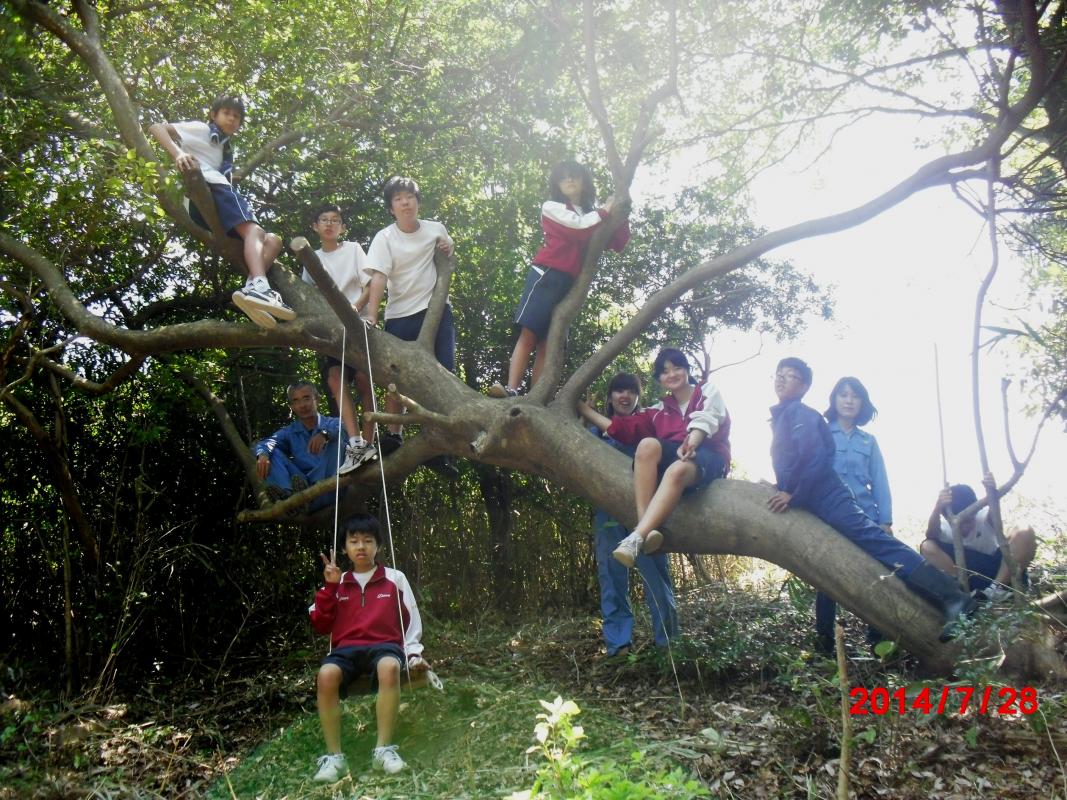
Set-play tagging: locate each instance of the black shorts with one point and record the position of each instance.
(444, 346)
(983, 566)
(544, 290)
(230, 206)
(329, 361)
(362, 660)
(710, 465)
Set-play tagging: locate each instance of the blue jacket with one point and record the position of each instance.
(293, 441)
(802, 452)
(858, 461)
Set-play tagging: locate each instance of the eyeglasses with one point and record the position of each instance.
(329, 221)
(787, 376)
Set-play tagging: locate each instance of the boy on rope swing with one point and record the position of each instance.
(375, 629)
(207, 145)
(802, 452)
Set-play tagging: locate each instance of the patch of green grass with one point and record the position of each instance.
(468, 742)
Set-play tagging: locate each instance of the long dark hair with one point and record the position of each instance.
(572, 169)
(867, 413)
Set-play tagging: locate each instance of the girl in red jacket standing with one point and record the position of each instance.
(683, 444)
(568, 221)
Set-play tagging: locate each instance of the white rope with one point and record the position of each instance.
(433, 679)
(337, 466)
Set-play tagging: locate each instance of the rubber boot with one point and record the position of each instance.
(946, 594)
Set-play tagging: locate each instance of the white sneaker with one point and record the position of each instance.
(653, 541)
(261, 318)
(386, 758)
(995, 593)
(356, 455)
(332, 768)
(628, 550)
(264, 300)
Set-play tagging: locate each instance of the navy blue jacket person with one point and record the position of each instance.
(802, 452)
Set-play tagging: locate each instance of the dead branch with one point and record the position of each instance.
(108, 385)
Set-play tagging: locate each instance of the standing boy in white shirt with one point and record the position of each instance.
(345, 262)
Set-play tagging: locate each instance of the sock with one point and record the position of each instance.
(260, 284)
(356, 441)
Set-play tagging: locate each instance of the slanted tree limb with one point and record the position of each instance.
(241, 448)
(62, 478)
(435, 311)
(108, 385)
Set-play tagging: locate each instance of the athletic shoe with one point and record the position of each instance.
(443, 466)
(264, 300)
(389, 442)
(298, 482)
(277, 493)
(261, 318)
(386, 758)
(356, 455)
(993, 593)
(653, 541)
(628, 550)
(332, 768)
(501, 392)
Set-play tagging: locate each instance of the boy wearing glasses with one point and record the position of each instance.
(346, 264)
(802, 451)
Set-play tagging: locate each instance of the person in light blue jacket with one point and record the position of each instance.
(858, 460)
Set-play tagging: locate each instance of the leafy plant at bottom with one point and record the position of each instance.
(567, 776)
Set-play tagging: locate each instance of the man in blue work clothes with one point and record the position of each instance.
(301, 453)
(802, 451)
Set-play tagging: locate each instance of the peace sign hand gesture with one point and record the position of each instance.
(331, 573)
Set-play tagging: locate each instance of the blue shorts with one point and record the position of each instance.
(542, 293)
(710, 465)
(362, 660)
(984, 565)
(230, 206)
(444, 346)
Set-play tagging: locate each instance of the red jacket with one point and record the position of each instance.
(567, 232)
(356, 616)
(706, 411)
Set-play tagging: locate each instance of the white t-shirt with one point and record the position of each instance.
(983, 540)
(406, 259)
(363, 578)
(347, 266)
(196, 140)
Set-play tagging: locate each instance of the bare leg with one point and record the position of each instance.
(343, 400)
(520, 357)
(388, 699)
(646, 462)
(260, 248)
(539, 363)
(938, 557)
(678, 476)
(364, 389)
(1023, 544)
(329, 702)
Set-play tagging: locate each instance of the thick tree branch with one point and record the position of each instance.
(435, 311)
(938, 171)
